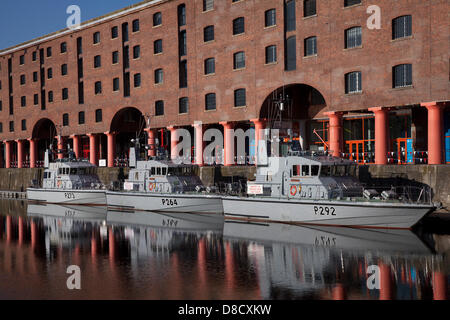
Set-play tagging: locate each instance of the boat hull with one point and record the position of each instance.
(328, 213)
(183, 203)
(69, 197)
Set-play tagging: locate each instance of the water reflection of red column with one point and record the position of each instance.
(385, 282)
(439, 286)
(20, 231)
(176, 280)
(112, 244)
(338, 292)
(8, 228)
(229, 266)
(33, 234)
(201, 265)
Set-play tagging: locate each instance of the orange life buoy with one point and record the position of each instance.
(293, 190)
(151, 186)
(299, 188)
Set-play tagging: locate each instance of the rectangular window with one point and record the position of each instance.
(64, 69)
(310, 46)
(137, 80)
(353, 82)
(210, 66)
(49, 73)
(136, 52)
(240, 99)
(353, 37)
(271, 54)
(136, 25)
(183, 105)
(34, 55)
(157, 19)
(309, 8)
(159, 76)
(50, 96)
(239, 60)
(22, 79)
(65, 119)
(11, 126)
(401, 27)
(181, 15)
(114, 32)
(35, 76)
(98, 115)
(115, 57)
(125, 32)
(158, 46)
(270, 18)
(22, 60)
(23, 101)
(97, 61)
(81, 117)
(159, 108)
(36, 99)
(49, 52)
(291, 54)
(238, 26)
(210, 101)
(183, 74)
(96, 37)
(98, 87)
(290, 15)
(63, 47)
(183, 43)
(24, 125)
(1, 127)
(208, 33)
(348, 3)
(116, 84)
(402, 75)
(79, 45)
(65, 94)
(208, 5)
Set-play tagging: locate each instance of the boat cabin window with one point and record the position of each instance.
(295, 171)
(315, 170)
(180, 171)
(164, 171)
(337, 171)
(305, 170)
(152, 171)
(136, 176)
(158, 171)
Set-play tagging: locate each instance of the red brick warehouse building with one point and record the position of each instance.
(373, 95)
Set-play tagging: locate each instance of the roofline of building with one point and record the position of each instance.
(84, 25)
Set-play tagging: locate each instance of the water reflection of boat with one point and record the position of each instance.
(67, 211)
(354, 239)
(179, 221)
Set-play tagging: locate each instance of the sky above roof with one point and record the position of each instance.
(23, 20)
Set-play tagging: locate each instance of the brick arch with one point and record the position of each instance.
(305, 102)
(128, 119)
(44, 128)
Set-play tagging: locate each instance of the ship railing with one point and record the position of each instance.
(406, 194)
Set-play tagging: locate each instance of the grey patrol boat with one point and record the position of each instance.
(159, 185)
(68, 181)
(315, 188)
